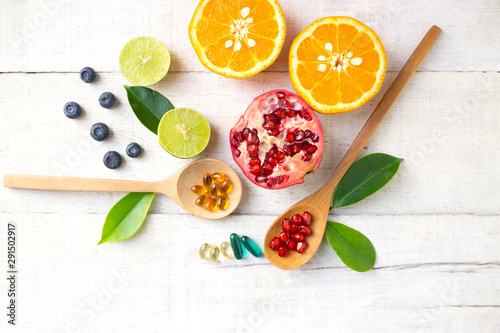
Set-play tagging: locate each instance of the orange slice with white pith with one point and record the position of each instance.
(337, 64)
(237, 38)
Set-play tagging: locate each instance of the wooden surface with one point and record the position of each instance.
(435, 226)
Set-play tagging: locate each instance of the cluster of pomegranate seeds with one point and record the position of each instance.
(292, 238)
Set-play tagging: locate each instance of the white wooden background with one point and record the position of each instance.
(435, 227)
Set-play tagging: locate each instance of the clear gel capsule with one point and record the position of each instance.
(203, 252)
(213, 255)
(226, 250)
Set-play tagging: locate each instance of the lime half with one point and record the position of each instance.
(183, 132)
(144, 61)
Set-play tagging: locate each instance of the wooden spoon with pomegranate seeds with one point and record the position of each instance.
(318, 203)
(177, 186)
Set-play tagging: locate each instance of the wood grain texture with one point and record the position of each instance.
(435, 226)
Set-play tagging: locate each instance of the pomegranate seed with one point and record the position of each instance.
(254, 161)
(286, 224)
(297, 218)
(235, 142)
(305, 230)
(272, 161)
(304, 114)
(273, 150)
(250, 137)
(273, 132)
(312, 149)
(275, 244)
(280, 95)
(236, 152)
(284, 103)
(280, 155)
(286, 178)
(267, 169)
(289, 137)
(284, 237)
(301, 246)
(280, 179)
(294, 228)
(291, 113)
(245, 132)
(270, 117)
(308, 134)
(280, 113)
(295, 148)
(307, 218)
(299, 135)
(253, 150)
(239, 136)
(287, 150)
(306, 157)
(299, 236)
(270, 182)
(256, 170)
(315, 137)
(268, 125)
(304, 145)
(282, 251)
(291, 244)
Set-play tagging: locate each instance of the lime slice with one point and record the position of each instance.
(183, 132)
(144, 61)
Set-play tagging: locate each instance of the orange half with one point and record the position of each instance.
(237, 38)
(337, 64)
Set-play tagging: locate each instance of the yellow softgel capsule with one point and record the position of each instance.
(201, 200)
(198, 189)
(214, 190)
(219, 177)
(207, 180)
(203, 252)
(226, 186)
(213, 255)
(222, 202)
(226, 250)
(211, 203)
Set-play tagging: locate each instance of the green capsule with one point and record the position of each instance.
(203, 252)
(250, 245)
(238, 249)
(213, 255)
(226, 250)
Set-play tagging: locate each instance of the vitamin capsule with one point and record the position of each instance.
(211, 203)
(201, 200)
(226, 250)
(203, 252)
(213, 255)
(214, 190)
(250, 245)
(219, 177)
(207, 180)
(226, 186)
(237, 247)
(198, 189)
(222, 202)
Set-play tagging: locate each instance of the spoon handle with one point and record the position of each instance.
(382, 108)
(77, 184)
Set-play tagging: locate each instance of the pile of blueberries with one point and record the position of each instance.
(100, 131)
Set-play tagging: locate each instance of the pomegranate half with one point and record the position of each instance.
(278, 140)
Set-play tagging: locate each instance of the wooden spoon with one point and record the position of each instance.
(177, 186)
(318, 202)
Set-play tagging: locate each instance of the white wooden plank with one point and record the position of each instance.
(445, 125)
(438, 273)
(61, 35)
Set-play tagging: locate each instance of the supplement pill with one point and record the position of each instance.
(250, 245)
(213, 255)
(207, 180)
(203, 252)
(226, 249)
(226, 187)
(198, 189)
(237, 247)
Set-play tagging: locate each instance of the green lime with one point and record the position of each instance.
(183, 132)
(144, 61)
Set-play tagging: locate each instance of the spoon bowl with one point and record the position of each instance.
(177, 186)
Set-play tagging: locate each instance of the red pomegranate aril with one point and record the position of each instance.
(304, 145)
(271, 182)
(268, 125)
(239, 136)
(235, 142)
(254, 161)
(291, 244)
(295, 148)
(299, 236)
(306, 157)
(253, 149)
(261, 179)
(297, 218)
(307, 218)
(280, 113)
(236, 152)
(308, 134)
(304, 114)
(286, 224)
(270, 117)
(267, 169)
(315, 138)
(256, 170)
(274, 244)
(280, 94)
(301, 246)
(305, 230)
(291, 113)
(273, 132)
(282, 251)
(284, 237)
(284, 103)
(299, 135)
(294, 228)
(287, 150)
(279, 155)
(280, 179)
(312, 149)
(245, 132)
(290, 137)
(272, 161)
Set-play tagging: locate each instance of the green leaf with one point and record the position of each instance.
(352, 247)
(365, 177)
(148, 105)
(126, 217)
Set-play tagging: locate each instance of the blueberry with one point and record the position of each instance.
(87, 74)
(72, 110)
(99, 131)
(107, 100)
(112, 160)
(133, 150)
